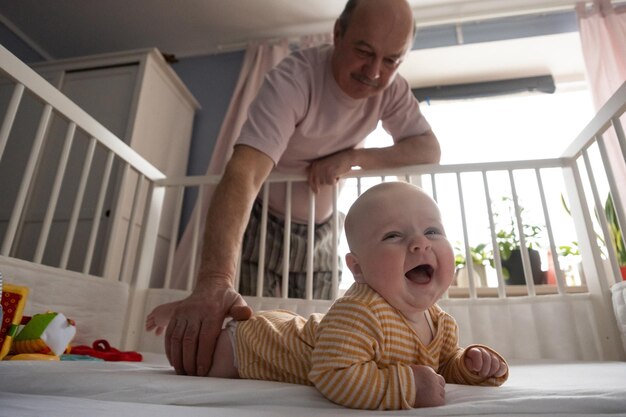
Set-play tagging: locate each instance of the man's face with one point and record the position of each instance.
(367, 55)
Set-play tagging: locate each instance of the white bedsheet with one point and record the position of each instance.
(152, 389)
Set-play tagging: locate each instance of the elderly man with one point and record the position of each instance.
(311, 116)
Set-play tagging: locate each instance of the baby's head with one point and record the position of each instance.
(398, 246)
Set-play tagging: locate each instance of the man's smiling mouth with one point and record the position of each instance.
(421, 274)
(365, 80)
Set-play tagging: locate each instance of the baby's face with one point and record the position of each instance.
(402, 251)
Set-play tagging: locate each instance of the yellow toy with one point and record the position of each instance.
(33, 357)
(13, 301)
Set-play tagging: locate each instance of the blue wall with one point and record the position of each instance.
(211, 79)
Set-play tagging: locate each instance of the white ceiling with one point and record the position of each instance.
(70, 28)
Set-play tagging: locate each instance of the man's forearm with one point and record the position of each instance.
(223, 232)
(414, 150)
(228, 216)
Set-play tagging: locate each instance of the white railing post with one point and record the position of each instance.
(284, 291)
(145, 252)
(310, 247)
(19, 207)
(9, 116)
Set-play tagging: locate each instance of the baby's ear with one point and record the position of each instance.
(352, 261)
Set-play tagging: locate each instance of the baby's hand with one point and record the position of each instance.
(484, 363)
(430, 387)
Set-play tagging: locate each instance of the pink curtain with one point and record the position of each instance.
(258, 60)
(603, 36)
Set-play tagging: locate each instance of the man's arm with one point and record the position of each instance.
(193, 329)
(413, 150)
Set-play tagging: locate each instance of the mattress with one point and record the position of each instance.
(151, 388)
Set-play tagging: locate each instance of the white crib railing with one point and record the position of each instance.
(583, 218)
(69, 157)
(584, 182)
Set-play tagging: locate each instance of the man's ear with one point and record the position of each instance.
(353, 265)
(336, 30)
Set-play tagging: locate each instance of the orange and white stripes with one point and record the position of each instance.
(357, 355)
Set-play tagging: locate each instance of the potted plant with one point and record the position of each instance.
(509, 246)
(616, 235)
(481, 256)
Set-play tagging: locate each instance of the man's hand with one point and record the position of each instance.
(430, 387)
(485, 363)
(328, 170)
(196, 324)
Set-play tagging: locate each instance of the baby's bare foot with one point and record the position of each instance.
(158, 318)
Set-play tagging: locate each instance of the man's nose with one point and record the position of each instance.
(372, 68)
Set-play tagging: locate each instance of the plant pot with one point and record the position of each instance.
(622, 270)
(515, 267)
(479, 273)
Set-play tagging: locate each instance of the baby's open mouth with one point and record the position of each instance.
(421, 274)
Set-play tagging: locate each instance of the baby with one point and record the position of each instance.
(385, 344)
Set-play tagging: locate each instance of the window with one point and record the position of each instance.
(516, 127)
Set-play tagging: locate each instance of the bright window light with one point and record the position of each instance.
(515, 127)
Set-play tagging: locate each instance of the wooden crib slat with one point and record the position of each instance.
(54, 196)
(560, 279)
(95, 226)
(27, 180)
(9, 116)
(468, 256)
(145, 254)
(494, 240)
(191, 273)
(336, 234)
(284, 291)
(583, 222)
(180, 192)
(613, 187)
(619, 132)
(528, 275)
(78, 201)
(434, 186)
(310, 247)
(262, 242)
(124, 276)
(599, 209)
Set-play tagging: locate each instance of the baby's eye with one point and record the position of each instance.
(433, 231)
(392, 235)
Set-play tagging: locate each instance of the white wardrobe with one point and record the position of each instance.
(138, 97)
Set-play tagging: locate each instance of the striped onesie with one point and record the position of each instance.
(356, 355)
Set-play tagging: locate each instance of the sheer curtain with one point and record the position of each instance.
(603, 36)
(260, 57)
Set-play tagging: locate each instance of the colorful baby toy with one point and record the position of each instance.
(47, 334)
(44, 336)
